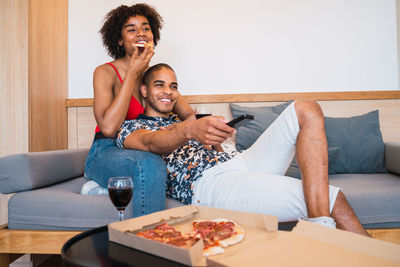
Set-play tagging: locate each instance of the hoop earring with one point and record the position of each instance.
(120, 49)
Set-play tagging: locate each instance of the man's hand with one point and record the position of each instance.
(210, 130)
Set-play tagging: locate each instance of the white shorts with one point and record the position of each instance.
(254, 180)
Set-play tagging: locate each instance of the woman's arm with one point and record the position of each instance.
(183, 109)
(109, 109)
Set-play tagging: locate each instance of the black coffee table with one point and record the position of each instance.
(92, 248)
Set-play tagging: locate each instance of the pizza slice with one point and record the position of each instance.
(140, 43)
(168, 234)
(217, 234)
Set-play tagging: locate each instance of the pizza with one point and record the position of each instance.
(216, 235)
(168, 234)
(140, 44)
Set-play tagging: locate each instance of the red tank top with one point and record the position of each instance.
(135, 108)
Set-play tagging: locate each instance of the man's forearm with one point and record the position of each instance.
(210, 130)
(159, 142)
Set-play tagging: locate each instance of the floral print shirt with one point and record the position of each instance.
(185, 164)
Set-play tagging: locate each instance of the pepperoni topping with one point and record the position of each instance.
(211, 233)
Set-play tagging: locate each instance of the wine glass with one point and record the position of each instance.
(202, 111)
(120, 190)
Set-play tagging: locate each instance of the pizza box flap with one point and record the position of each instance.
(151, 220)
(350, 241)
(314, 245)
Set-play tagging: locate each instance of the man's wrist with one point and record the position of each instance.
(187, 127)
(134, 71)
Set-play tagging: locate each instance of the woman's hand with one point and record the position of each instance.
(184, 110)
(140, 61)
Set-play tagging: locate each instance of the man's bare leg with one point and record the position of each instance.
(312, 158)
(345, 217)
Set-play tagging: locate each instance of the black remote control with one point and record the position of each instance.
(241, 120)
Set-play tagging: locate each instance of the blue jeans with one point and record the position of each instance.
(147, 170)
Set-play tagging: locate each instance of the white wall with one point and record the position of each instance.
(254, 46)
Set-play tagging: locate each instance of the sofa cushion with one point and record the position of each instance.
(59, 207)
(392, 157)
(360, 141)
(375, 198)
(62, 207)
(33, 170)
(355, 144)
(294, 170)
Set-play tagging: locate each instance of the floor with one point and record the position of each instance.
(50, 261)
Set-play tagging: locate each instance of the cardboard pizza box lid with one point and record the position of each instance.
(257, 227)
(313, 245)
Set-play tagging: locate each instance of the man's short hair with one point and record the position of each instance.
(148, 75)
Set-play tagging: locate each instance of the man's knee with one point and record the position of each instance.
(340, 203)
(309, 112)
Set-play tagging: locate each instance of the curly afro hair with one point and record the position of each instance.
(116, 18)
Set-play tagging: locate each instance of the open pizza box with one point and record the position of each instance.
(307, 244)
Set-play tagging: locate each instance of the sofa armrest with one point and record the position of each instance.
(392, 157)
(26, 171)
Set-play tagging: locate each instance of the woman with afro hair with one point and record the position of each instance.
(129, 34)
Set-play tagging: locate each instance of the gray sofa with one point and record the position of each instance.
(46, 192)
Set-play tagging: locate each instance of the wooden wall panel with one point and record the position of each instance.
(13, 76)
(48, 74)
(86, 126)
(389, 116)
(72, 128)
(268, 97)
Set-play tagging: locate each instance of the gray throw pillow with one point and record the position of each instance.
(355, 144)
(263, 117)
(294, 170)
(361, 145)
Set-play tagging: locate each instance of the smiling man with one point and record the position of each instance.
(250, 181)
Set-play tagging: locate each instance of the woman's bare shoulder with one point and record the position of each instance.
(104, 69)
(104, 77)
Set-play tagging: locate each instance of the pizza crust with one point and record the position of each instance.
(211, 251)
(236, 238)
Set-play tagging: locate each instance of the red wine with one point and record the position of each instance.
(198, 116)
(120, 197)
